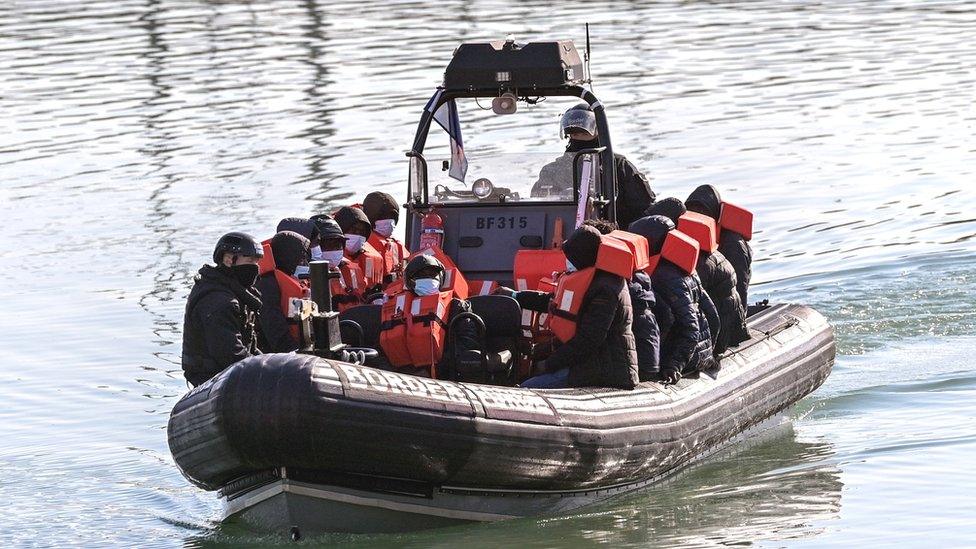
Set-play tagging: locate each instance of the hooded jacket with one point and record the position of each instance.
(305, 227)
(603, 352)
(718, 280)
(290, 250)
(218, 324)
(646, 333)
(706, 200)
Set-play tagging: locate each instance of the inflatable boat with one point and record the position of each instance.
(297, 443)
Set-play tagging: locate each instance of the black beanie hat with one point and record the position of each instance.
(582, 246)
(379, 205)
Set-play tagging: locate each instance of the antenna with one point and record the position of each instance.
(586, 59)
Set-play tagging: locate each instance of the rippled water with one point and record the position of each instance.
(138, 132)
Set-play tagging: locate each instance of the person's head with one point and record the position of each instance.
(423, 275)
(706, 201)
(239, 253)
(332, 241)
(581, 248)
(302, 226)
(355, 225)
(291, 251)
(602, 225)
(654, 228)
(578, 123)
(382, 211)
(670, 207)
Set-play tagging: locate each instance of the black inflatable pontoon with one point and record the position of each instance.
(299, 441)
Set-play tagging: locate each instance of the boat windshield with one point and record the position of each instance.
(506, 158)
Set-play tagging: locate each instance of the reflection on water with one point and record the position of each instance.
(138, 131)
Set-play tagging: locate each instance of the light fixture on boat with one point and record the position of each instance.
(482, 188)
(504, 104)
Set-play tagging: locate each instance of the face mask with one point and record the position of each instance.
(301, 271)
(354, 243)
(316, 253)
(246, 274)
(570, 268)
(385, 227)
(332, 256)
(426, 286)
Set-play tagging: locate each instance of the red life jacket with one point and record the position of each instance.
(638, 248)
(531, 266)
(267, 263)
(736, 219)
(350, 283)
(413, 331)
(393, 251)
(700, 227)
(614, 257)
(453, 278)
(290, 289)
(371, 264)
(680, 249)
(481, 287)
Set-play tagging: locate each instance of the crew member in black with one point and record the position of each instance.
(218, 325)
(634, 193)
(706, 200)
(602, 352)
(291, 253)
(686, 343)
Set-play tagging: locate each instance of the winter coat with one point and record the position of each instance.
(706, 200)
(645, 328)
(686, 345)
(218, 325)
(718, 280)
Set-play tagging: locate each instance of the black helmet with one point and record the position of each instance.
(579, 117)
(238, 244)
(328, 228)
(418, 264)
(654, 228)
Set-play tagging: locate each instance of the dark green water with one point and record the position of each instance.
(138, 132)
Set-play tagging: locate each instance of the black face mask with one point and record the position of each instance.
(246, 274)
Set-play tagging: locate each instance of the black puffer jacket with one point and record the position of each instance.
(634, 194)
(718, 280)
(706, 200)
(687, 344)
(646, 333)
(218, 324)
(290, 250)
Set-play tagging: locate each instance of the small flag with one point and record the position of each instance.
(447, 117)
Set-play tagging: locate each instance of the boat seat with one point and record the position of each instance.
(503, 331)
(367, 320)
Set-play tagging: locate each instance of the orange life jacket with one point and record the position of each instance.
(453, 278)
(614, 257)
(736, 219)
(680, 249)
(700, 227)
(638, 248)
(290, 289)
(481, 287)
(393, 251)
(350, 283)
(413, 331)
(531, 266)
(267, 263)
(371, 264)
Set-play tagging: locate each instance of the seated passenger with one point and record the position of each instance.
(347, 289)
(598, 348)
(686, 343)
(357, 228)
(304, 227)
(634, 193)
(221, 310)
(717, 277)
(733, 244)
(414, 333)
(670, 207)
(279, 333)
(645, 328)
(383, 213)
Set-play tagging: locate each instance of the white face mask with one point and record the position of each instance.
(316, 253)
(426, 286)
(570, 268)
(354, 243)
(301, 271)
(332, 256)
(385, 227)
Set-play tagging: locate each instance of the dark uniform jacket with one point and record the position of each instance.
(646, 333)
(218, 325)
(686, 344)
(718, 280)
(603, 352)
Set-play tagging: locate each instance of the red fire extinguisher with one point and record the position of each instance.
(431, 231)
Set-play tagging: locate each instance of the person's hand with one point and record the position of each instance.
(670, 376)
(502, 290)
